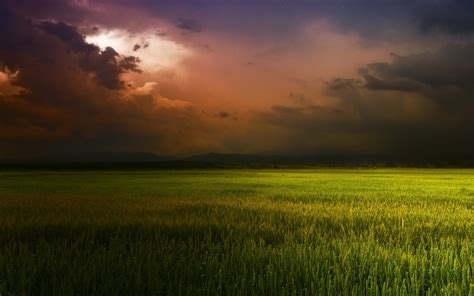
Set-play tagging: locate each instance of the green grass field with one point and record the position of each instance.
(237, 232)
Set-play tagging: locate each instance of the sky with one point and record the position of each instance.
(183, 77)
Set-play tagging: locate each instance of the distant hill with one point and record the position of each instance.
(219, 160)
(126, 157)
(256, 159)
(229, 158)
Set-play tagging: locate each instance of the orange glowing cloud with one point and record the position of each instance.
(7, 83)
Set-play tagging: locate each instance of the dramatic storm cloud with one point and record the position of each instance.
(184, 77)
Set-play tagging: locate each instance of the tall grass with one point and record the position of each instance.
(240, 232)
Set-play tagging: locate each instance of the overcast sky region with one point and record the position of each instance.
(349, 77)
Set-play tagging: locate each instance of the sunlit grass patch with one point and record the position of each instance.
(331, 232)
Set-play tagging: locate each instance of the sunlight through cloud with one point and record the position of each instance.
(155, 52)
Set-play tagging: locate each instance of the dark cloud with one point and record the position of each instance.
(106, 64)
(144, 44)
(69, 35)
(189, 25)
(130, 63)
(444, 76)
(353, 131)
(60, 95)
(418, 105)
(158, 33)
(453, 16)
(343, 83)
(224, 114)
